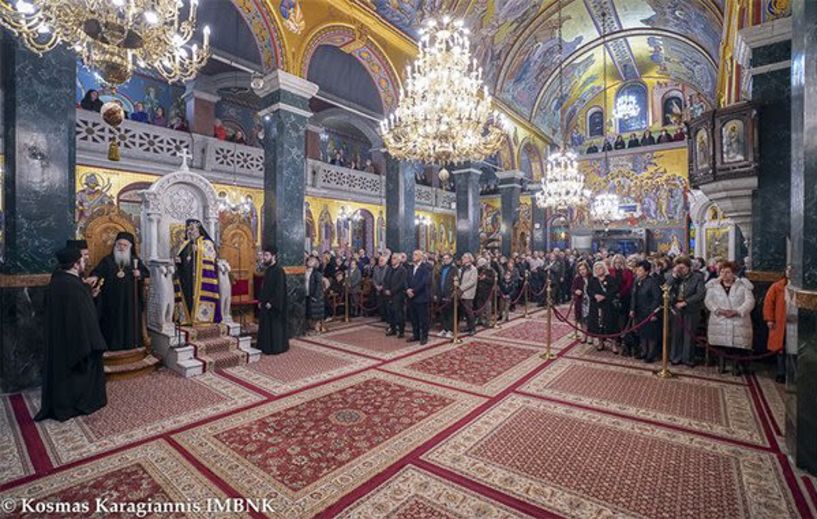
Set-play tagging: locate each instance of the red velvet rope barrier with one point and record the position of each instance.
(717, 352)
(622, 333)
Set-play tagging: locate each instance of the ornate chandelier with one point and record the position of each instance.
(606, 208)
(562, 183)
(626, 107)
(112, 36)
(445, 113)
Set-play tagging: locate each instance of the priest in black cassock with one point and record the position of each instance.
(121, 300)
(272, 305)
(74, 378)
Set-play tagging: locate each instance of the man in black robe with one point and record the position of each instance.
(122, 298)
(272, 305)
(74, 378)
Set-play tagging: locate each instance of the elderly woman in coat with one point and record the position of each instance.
(730, 301)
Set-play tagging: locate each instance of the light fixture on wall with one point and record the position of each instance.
(113, 36)
(422, 219)
(562, 183)
(444, 114)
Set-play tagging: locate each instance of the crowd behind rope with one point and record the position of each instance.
(614, 301)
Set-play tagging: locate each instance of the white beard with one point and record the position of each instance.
(122, 258)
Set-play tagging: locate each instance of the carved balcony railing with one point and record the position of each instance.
(150, 148)
(324, 179)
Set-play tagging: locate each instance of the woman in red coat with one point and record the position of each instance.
(774, 313)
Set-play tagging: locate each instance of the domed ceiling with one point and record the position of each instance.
(517, 43)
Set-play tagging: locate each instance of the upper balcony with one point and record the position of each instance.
(146, 148)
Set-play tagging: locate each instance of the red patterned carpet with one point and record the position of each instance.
(358, 425)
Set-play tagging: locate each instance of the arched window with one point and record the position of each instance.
(634, 95)
(595, 122)
(672, 108)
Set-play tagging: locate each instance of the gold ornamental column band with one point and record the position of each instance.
(805, 299)
(24, 280)
(764, 275)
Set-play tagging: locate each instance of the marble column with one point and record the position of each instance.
(801, 417)
(466, 182)
(510, 187)
(770, 209)
(39, 149)
(286, 113)
(400, 197)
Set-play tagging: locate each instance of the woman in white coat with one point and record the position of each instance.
(730, 301)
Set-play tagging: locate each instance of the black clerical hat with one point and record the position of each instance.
(272, 250)
(192, 220)
(124, 236)
(76, 244)
(68, 256)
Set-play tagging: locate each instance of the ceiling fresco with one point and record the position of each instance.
(516, 41)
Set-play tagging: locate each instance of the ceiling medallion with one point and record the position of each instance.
(444, 114)
(113, 37)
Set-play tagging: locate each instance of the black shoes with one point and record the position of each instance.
(423, 341)
(390, 332)
(412, 339)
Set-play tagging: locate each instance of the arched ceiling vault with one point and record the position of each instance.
(516, 41)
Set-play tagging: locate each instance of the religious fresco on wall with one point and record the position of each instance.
(688, 17)
(490, 218)
(406, 15)
(151, 92)
(538, 57)
(292, 13)
(439, 235)
(530, 162)
(522, 226)
(680, 61)
(98, 188)
(652, 187)
(774, 9)
(670, 241)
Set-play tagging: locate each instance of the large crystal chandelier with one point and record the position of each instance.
(606, 208)
(626, 107)
(113, 36)
(562, 183)
(445, 113)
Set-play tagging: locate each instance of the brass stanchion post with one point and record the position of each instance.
(526, 289)
(548, 355)
(456, 302)
(664, 372)
(346, 300)
(494, 320)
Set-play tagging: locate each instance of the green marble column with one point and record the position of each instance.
(466, 181)
(801, 418)
(510, 187)
(39, 150)
(400, 198)
(285, 117)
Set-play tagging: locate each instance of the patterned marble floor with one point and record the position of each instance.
(354, 424)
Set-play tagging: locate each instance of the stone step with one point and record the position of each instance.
(117, 358)
(223, 359)
(201, 332)
(214, 345)
(133, 369)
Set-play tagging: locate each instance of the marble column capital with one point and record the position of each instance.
(467, 172)
(509, 177)
(279, 80)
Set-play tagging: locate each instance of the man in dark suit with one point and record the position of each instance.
(418, 291)
(394, 288)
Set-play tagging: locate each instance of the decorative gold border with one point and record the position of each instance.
(805, 299)
(24, 280)
(764, 275)
(295, 269)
